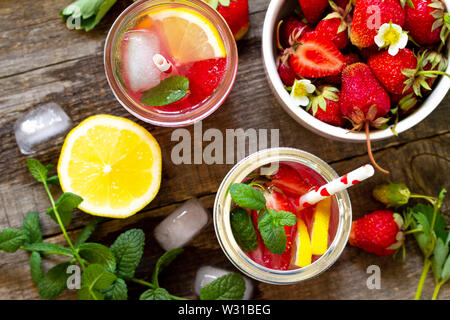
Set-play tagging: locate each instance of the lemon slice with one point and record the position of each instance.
(319, 237)
(113, 164)
(189, 36)
(303, 255)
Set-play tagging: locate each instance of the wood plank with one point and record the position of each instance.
(420, 162)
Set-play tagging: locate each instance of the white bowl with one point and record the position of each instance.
(279, 9)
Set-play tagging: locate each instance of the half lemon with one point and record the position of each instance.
(113, 163)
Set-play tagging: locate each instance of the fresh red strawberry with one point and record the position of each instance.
(316, 57)
(329, 99)
(370, 15)
(334, 27)
(342, 3)
(313, 9)
(235, 13)
(421, 21)
(290, 31)
(364, 101)
(289, 181)
(287, 75)
(366, 53)
(377, 232)
(388, 69)
(349, 58)
(204, 77)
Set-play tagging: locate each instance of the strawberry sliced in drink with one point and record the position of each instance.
(316, 57)
(289, 181)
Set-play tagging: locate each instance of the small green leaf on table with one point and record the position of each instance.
(12, 239)
(37, 170)
(98, 254)
(94, 279)
(36, 267)
(128, 249)
(32, 228)
(54, 282)
(166, 92)
(87, 232)
(155, 294)
(227, 287)
(117, 291)
(49, 248)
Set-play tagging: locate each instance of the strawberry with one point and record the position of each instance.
(326, 107)
(287, 75)
(378, 232)
(388, 69)
(313, 9)
(342, 3)
(290, 31)
(370, 15)
(235, 13)
(425, 21)
(366, 53)
(316, 57)
(349, 58)
(289, 181)
(334, 27)
(364, 101)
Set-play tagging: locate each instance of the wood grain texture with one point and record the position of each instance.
(42, 61)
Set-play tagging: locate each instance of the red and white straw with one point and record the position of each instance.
(335, 186)
(162, 63)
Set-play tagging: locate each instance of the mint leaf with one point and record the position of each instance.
(32, 228)
(283, 218)
(36, 267)
(12, 239)
(439, 256)
(98, 254)
(155, 294)
(247, 197)
(37, 170)
(163, 262)
(65, 205)
(54, 282)
(87, 232)
(54, 180)
(117, 291)
(94, 279)
(85, 14)
(272, 233)
(49, 248)
(167, 91)
(243, 230)
(128, 249)
(227, 287)
(85, 294)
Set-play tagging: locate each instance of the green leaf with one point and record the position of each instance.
(439, 256)
(283, 218)
(155, 294)
(87, 232)
(445, 276)
(98, 254)
(49, 248)
(167, 91)
(89, 12)
(54, 282)
(96, 277)
(247, 197)
(32, 228)
(273, 235)
(423, 222)
(90, 294)
(37, 170)
(12, 239)
(163, 262)
(243, 230)
(440, 223)
(117, 291)
(227, 287)
(54, 180)
(128, 249)
(65, 205)
(36, 267)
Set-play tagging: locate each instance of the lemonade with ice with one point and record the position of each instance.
(171, 59)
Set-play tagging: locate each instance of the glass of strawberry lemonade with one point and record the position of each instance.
(260, 227)
(170, 63)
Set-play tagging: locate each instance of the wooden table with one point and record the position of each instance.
(42, 61)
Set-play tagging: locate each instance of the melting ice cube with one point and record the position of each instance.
(182, 225)
(208, 274)
(40, 125)
(140, 71)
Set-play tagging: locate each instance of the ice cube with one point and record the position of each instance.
(40, 125)
(207, 274)
(140, 71)
(182, 225)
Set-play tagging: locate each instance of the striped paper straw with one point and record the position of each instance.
(335, 186)
(162, 63)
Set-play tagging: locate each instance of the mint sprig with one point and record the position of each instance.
(271, 226)
(166, 92)
(227, 287)
(243, 230)
(85, 14)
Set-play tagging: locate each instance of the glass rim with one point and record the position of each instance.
(222, 224)
(167, 120)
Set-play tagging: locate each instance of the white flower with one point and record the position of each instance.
(391, 35)
(301, 91)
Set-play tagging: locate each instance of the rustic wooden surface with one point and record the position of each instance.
(42, 61)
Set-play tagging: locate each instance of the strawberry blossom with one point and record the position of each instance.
(391, 35)
(301, 91)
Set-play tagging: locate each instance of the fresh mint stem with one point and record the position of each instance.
(426, 267)
(61, 225)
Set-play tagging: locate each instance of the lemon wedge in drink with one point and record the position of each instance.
(303, 255)
(189, 36)
(113, 164)
(319, 237)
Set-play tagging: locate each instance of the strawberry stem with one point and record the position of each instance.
(369, 149)
(425, 269)
(436, 289)
(433, 72)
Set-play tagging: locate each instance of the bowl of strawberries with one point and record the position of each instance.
(357, 70)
